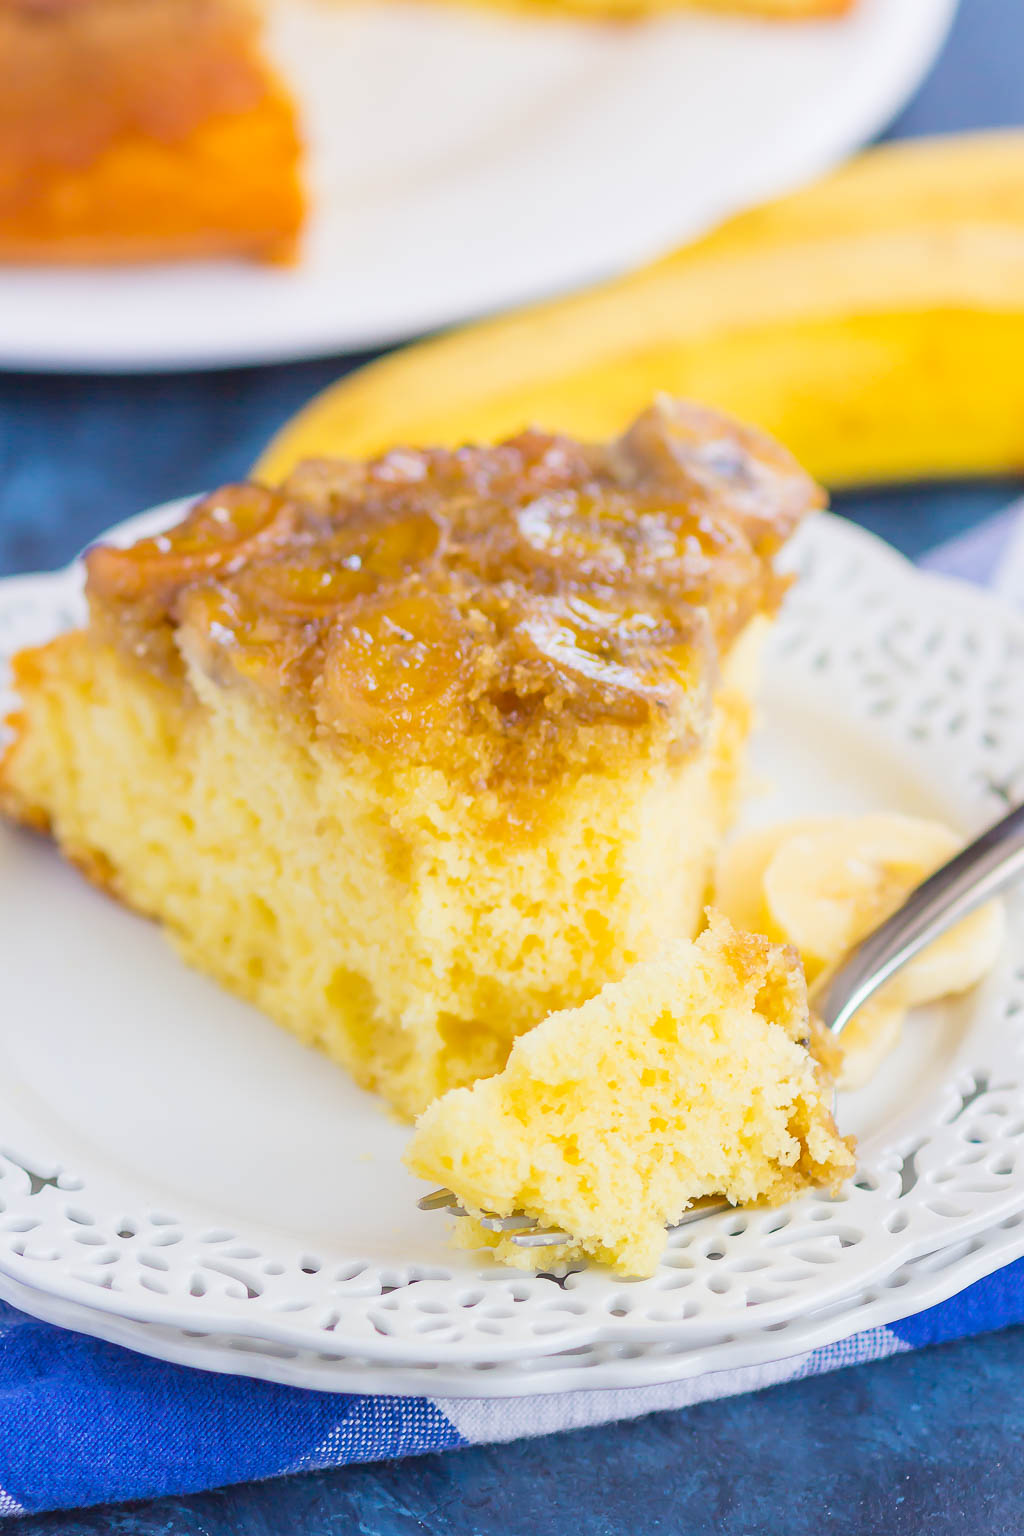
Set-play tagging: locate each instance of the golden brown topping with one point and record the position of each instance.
(492, 607)
(76, 76)
(396, 665)
(614, 661)
(222, 533)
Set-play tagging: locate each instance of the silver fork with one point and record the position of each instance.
(974, 875)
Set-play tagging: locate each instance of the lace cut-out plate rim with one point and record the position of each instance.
(923, 662)
(921, 1284)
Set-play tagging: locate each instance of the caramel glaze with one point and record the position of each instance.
(75, 75)
(501, 612)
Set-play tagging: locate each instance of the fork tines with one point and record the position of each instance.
(523, 1230)
(527, 1232)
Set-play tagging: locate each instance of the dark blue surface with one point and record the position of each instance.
(923, 1443)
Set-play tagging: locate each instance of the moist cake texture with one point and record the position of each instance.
(410, 753)
(689, 1077)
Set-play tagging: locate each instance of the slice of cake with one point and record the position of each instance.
(689, 1077)
(141, 129)
(410, 753)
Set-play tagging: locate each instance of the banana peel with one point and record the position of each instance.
(873, 321)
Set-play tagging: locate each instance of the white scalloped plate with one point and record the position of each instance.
(919, 1283)
(463, 161)
(178, 1173)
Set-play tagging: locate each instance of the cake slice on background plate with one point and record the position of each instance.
(137, 130)
(410, 753)
(689, 1077)
(146, 130)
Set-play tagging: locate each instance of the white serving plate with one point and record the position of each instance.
(920, 1283)
(463, 161)
(179, 1174)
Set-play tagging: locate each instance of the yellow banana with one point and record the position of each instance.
(827, 885)
(739, 879)
(873, 321)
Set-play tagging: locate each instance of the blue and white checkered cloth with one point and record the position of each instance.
(84, 1422)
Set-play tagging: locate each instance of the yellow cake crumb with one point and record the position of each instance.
(689, 1077)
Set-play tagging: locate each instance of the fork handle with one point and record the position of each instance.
(993, 861)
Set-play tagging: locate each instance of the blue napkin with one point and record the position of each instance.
(84, 1422)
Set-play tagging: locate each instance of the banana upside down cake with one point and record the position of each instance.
(410, 753)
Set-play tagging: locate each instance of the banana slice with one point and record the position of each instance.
(821, 883)
(828, 886)
(870, 1035)
(739, 882)
(955, 962)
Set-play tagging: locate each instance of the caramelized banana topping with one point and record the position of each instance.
(500, 609)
